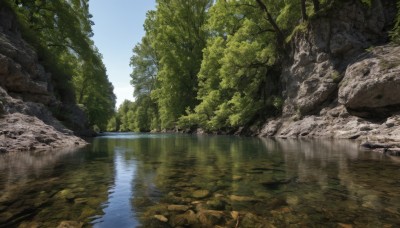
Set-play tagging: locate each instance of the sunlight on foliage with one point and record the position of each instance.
(61, 32)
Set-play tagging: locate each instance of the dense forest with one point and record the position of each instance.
(215, 65)
(61, 31)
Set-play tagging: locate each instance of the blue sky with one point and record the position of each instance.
(118, 28)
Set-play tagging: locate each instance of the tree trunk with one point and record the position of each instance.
(316, 5)
(303, 10)
(278, 31)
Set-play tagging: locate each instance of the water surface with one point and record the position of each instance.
(169, 180)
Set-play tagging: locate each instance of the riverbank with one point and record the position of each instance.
(338, 80)
(21, 132)
(363, 103)
(342, 80)
(379, 135)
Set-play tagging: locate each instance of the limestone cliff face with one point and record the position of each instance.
(343, 77)
(26, 95)
(21, 74)
(322, 54)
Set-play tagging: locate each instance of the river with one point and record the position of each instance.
(170, 180)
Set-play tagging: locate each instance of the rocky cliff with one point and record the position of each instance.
(27, 96)
(342, 79)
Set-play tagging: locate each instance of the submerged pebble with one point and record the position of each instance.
(66, 194)
(70, 224)
(216, 204)
(161, 218)
(178, 207)
(200, 194)
(242, 198)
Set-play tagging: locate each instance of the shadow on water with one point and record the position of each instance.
(169, 180)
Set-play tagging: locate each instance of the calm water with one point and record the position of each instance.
(166, 180)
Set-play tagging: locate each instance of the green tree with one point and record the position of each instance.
(145, 68)
(113, 124)
(144, 61)
(61, 32)
(238, 79)
(395, 34)
(122, 115)
(179, 42)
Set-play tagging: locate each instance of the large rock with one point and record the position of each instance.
(19, 132)
(371, 87)
(270, 128)
(21, 75)
(331, 81)
(322, 51)
(337, 123)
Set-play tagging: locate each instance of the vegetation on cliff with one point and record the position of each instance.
(61, 32)
(395, 34)
(217, 65)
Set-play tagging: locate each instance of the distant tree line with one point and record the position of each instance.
(214, 64)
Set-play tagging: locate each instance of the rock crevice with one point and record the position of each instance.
(343, 79)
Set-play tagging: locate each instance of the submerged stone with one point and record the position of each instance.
(242, 198)
(282, 210)
(216, 204)
(237, 178)
(187, 219)
(94, 202)
(66, 194)
(178, 207)
(161, 218)
(292, 200)
(209, 218)
(201, 206)
(251, 220)
(177, 200)
(29, 225)
(344, 225)
(235, 215)
(70, 224)
(262, 194)
(80, 200)
(218, 195)
(200, 194)
(157, 209)
(87, 212)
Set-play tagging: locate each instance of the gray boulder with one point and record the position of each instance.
(321, 53)
(371, 87)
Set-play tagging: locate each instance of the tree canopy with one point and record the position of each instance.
(216, 64)
(207, 63)
(61, 31)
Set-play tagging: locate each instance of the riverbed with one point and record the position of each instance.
(171, 180)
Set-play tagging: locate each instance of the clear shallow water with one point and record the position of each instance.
(133, 180)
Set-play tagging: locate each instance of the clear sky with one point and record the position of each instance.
(118, 28)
